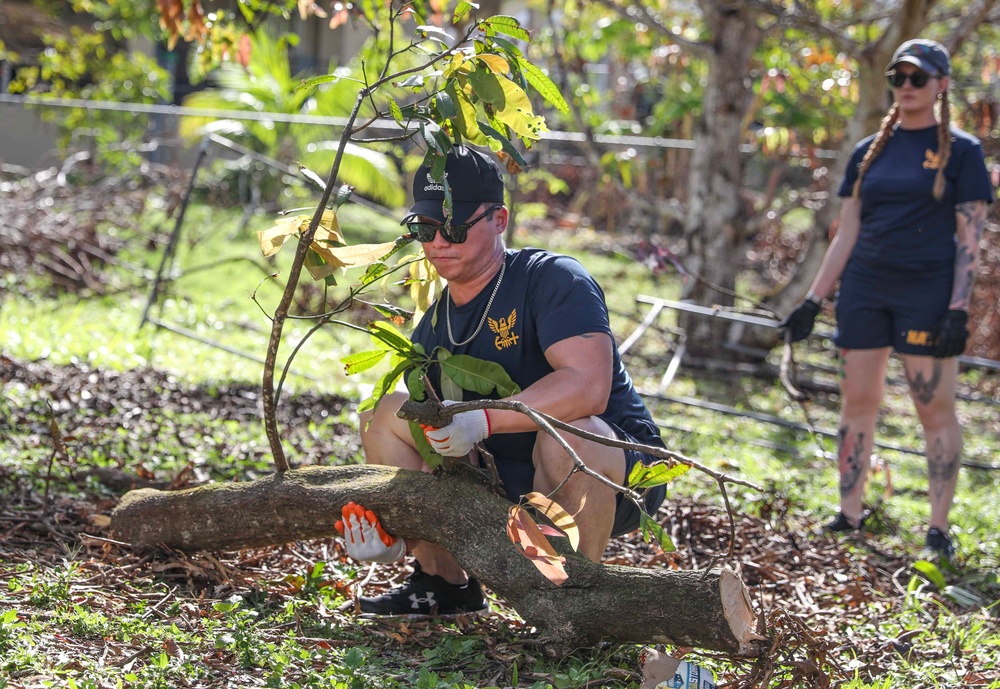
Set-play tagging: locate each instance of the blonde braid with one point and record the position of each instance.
(878, 143)
(944, 145)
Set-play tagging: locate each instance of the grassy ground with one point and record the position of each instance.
(146, 405)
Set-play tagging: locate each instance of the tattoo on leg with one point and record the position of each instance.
(923, 390)
(940, 470)
(850, 460)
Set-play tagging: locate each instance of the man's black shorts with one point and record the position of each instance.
(518, 478)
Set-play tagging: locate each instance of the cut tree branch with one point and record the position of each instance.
(704, 609)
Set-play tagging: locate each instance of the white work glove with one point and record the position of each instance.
(365, 538)
(457, 438)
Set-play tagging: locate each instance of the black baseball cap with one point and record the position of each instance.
(474, 179)
(930, 56)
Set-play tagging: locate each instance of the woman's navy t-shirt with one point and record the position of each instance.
(903, 227)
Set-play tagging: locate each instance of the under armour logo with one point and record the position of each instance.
(417, 600)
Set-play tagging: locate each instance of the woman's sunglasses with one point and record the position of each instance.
(424, 231)
(897, 79)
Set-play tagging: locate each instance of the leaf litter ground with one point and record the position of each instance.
(829, 603)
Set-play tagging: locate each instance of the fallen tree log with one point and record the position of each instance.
(707, 610)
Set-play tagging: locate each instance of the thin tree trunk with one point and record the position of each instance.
(717, 215)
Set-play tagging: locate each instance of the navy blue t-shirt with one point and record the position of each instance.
(544, 298)
(903, 227)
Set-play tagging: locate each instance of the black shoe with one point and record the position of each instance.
(937, 546)
(841, 523)
(427, 594)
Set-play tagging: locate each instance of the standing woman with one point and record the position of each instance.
(906, 254)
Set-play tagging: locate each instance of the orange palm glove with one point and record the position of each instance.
(364, 537)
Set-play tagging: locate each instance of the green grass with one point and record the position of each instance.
(187, 624)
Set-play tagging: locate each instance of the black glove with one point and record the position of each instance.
(951, 334)
(800, 322)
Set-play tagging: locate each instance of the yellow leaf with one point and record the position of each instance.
(456, 65)
(465, 117)
(360, 254)
(559, 517)
(517, 112)
(496, 63)
(425, 286)
(273, 238)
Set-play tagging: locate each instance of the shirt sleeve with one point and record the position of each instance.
(973, 182)
(851, 173)
(566, 301)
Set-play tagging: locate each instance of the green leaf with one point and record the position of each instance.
(434, 32)
(546, 87)
(343, 195)
(386, 333)
(649, 475)
(465, 116)
(394, 110)
(391, 312)
(478, 375)
(362, 361)
(963, 597)
(504, 142)
(428, 131)
(388, 382)
(373, 273)
(415, 81)
(427, 453)
(462, 11)
(444, 104)
(316, 81)
(415, 384)
(512, 50)
(450, 390)
(650, 527)
(506, 25)
(312, 176)
(931, 571)
(487, 86)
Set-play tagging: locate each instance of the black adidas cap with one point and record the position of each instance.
(474, 179)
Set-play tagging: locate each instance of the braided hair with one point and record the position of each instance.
(878, 143)
(944, 145)
(885, 131)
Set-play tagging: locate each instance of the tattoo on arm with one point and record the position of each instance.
(851, 466)
(941, 470)
(923, 390)
(971, 219)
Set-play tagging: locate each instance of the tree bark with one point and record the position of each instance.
(717, 213)
(708, 609)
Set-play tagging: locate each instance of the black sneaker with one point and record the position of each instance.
(841, 523)
(427, 594)
(937, 546)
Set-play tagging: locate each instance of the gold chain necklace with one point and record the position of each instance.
(482, 321)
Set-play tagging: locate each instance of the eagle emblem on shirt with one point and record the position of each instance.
(932, 160)
(504, 329)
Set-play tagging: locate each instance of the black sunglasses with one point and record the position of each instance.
(897, 79)
(424, 231)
